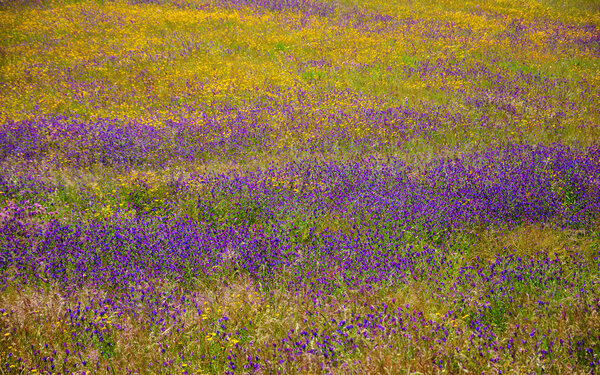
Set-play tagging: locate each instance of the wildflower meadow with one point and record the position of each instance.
(299, 187)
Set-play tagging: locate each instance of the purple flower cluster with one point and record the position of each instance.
(307, 7)
(503, 186)
(270, 226)
(482, 297)
(107, 142)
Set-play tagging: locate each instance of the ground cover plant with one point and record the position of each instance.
(299, 186)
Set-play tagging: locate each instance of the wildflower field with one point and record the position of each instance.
(299, 186)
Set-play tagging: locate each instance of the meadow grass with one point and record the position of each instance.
(268, 186)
